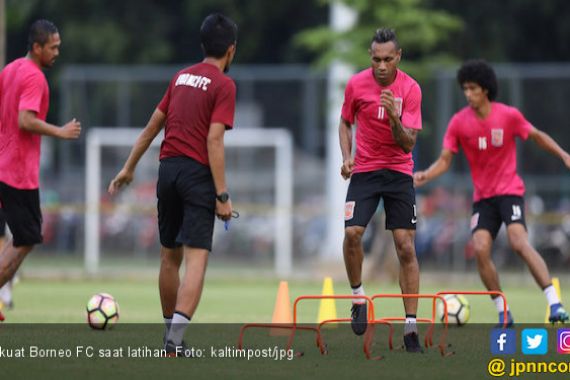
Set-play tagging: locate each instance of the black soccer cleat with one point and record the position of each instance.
(558, 314)
(510, 320)
(174, 351)
(412, 343)
(359, 316)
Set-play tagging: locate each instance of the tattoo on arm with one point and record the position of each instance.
(405, 137)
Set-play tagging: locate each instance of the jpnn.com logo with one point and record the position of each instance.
(504, 341)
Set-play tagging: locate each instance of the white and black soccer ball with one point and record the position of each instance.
(102, 311)
(458, 309)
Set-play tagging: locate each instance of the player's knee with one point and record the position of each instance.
(23, 250)
(169, 261)
(405, 249)
(482, 248)
(353, 235)
(482, 253)
(518, 243)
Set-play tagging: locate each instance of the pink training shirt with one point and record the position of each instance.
(375, 146)
(490, 148)
(23, 87)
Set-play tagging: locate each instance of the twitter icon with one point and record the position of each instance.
(534, 341)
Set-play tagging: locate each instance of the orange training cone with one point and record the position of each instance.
(282, 312)
(327, 308)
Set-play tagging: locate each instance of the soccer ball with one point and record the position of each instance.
(102, 311)
(458, 309)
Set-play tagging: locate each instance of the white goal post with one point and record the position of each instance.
(280, 139)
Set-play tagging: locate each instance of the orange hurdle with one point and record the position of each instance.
(320, 341)
(369, 337)
(467, 292)
(372, 321)
(294, 326)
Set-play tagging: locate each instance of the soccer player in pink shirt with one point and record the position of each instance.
(385, 103)
(486, 130)
(24, 103)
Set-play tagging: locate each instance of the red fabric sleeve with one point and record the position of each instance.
(31, 97)
(521, 126)
(412, 109)
(450, 139)
(348, 106)
(165, 102)
(225, 105)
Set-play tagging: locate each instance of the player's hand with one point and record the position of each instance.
(224, 210)
(388, 102)
(123, 178)
(346, 168)
(420, 178)
(71, 130)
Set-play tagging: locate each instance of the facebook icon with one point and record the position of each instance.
(503, 341)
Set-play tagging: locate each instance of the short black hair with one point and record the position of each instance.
(40, 32)
(217, 33)
(480, 72)
(383, 35)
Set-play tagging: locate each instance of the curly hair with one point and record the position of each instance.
(480, 72)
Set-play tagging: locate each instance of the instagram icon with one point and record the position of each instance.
(563, 341)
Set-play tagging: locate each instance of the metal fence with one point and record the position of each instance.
(294, 97)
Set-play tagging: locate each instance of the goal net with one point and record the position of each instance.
(259, 174)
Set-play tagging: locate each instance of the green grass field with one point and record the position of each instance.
(230, 300)
(238, 300)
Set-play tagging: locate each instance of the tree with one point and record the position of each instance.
(166, 31)
(511, 30)
(420, 31)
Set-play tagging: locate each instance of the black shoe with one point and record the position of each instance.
(412, 343)
(558, 314)
(165, 336)
(359, 315)
(510, 320)
(173, 351)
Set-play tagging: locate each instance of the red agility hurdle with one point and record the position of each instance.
(295, 326)
(369, 336)
(289, 326)
(320, 341)
(372, 321)
(467, 292)
(388, 321)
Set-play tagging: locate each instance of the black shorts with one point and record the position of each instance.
(2, 224)
(23, 215)
(365, 191)
(490, 213)
(186, 203)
